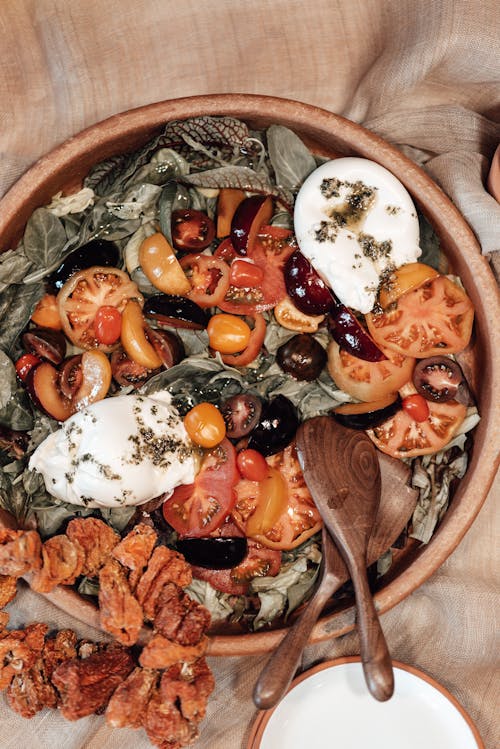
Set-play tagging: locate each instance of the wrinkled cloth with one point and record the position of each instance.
(424, 75)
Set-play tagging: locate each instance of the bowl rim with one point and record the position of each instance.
(69, 162)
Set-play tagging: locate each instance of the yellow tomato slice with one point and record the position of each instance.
(404, 279)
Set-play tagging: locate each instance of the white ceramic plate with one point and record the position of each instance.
(329, 706)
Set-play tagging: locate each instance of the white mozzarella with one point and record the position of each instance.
(354, 221)
(120, 451)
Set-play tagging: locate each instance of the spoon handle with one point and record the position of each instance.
(279, 670)
(377, 664)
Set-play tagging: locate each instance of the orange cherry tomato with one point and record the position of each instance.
(25, 364)
(160, 265)
(205, 425)
(254, 345)
(245, 274)
(272, 502)
(133, 337)
(107, 324)
(228, 333)
(46, 313)
(416, 406)
(252, 465)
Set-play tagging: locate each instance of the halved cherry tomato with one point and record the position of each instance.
(107, 324)
(192, 230)
(25, 364)
(46, 313)
(403, 437)
(271, 249)
(228, 333)
(435, 318)
(84, 293)
(254, 345)
(300, 519)
(160, 265)
(227, 203)
(198, 509)
(133, 337)
(291, 318)
(404, 279)
(252, 465)
(245, 274)
(416, 407)
(209, 279)
(368, 381)
(205, 425)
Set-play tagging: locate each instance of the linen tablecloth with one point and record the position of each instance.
(423, 74)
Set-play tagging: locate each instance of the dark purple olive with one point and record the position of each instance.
(351, 336)
(440, 379)
(71, 376)
(13, 442)
(277, 426)
(367, 415)
(306, 288)
(218, 553)
(241, 414)
(168, 346)
(175, 312)
(46, 343)
(95, 252)
(302, 357)
(126, 371)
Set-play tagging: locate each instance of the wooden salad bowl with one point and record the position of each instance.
(328, 135)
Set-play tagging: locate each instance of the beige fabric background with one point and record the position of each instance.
(425, 74)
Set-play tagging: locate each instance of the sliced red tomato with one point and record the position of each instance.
(299, 519)
(368, 381)
(209, 278)
(85, 293)
(259, 562)
(435, 318)
(403, 437)
(272, 248)
(199, 508)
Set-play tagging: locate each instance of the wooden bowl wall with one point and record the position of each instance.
(330, 135)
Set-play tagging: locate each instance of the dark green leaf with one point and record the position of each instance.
(239, 177)
(17, 303)
(173, 196)
(8, 382)
(44, 238)
(291, 159)
(14, 265)
(17, 413)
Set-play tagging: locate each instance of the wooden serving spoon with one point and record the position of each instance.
(341, 470)
(397, 503)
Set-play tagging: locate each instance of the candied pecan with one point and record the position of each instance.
(29, 692)
(128, 704)
(20, 552)
(58, 649)
(86, 648)
(85, 686)
(180, 618)
(135, 550)
(62, 562)
(96, 538)
(120, 613)
(165, 566)
(8, 589)
(163, 653)
(19, 649)
(188, 686)
(165, 725)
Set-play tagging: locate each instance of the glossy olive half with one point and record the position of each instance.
(367, 415)
(440, 379)
(46, 343)
(175, 312)
(96, 252)
(277, 426)
(220, 553)
(302, 357)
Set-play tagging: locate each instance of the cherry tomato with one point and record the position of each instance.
(25, 364)
(252, 465)
(291, 318)
(403, 437)
(46, 313)
(107, 324)
(160, 265)
(228, 333)
(299, 519)
(245, 274)
(272, 502)
(435, 318)
(368, 381)
(84, 293)
(205, 425)
(242, 414)
(209, 278)
(416, 407)
(201, 507)
(255, 342)
(192, 230)
(134, 339)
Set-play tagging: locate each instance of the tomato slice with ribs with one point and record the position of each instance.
(290, 522)
(198, 509)
(271, 249)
